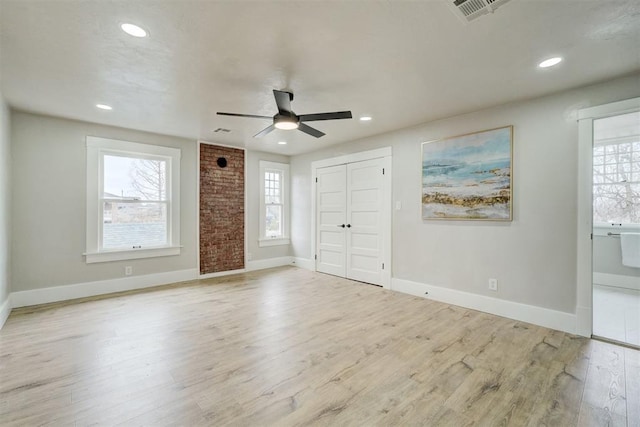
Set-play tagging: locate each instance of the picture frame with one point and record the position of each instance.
(469, 177)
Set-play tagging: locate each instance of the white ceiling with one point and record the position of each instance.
(402, 62)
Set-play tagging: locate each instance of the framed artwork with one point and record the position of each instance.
(469, 177)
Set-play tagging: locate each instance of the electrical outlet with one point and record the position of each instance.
(128, 270)
(248, 256)
(493, 285)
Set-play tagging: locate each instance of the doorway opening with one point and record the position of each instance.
(616, 228)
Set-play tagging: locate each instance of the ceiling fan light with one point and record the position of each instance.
(286, 125)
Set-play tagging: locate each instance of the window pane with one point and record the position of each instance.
(616, 190)
(272, 187)
(126, 225)
(273, 220)
(135, 178)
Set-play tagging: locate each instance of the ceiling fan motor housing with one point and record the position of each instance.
(286, 121)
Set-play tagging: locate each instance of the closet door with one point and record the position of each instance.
(331, 220)
(364, 233)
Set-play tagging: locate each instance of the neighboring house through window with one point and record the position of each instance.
(274, 204)
(133, 200)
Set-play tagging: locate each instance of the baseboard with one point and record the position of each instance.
(307, 264)
(89, 289)
(526, 313)
(261, 264)
(617, 280)
(5, 311)
(221, 273)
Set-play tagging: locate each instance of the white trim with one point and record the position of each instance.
(102, 287)
(611, 109)
(513, 310)
(584, 260)
(96, 148)
(5, 310)
(198, 206)
(617, 281)
(132, 254)
(261, 264)
(584, 321)
(273, 242)
(387, 214)
(283, 169)
(384, 153)
(200, 141)
(245, 161)
(222, 273)
(352, 158)
(307, 264)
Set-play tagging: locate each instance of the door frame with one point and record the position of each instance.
(380, 153)
(584, 268)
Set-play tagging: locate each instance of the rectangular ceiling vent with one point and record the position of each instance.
(468, 10)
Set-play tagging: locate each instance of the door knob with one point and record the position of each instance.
(348, 225)
(341, 225)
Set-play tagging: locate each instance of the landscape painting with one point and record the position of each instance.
(468, 177)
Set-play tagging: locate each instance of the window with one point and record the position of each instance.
(616, 171)
(133, 200)
(274, 204)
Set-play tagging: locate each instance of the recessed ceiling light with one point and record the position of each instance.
(282, 142)
(550, 62)
(104, 107)
(365, 118)
(133, 30)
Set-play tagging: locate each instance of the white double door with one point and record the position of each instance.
(350, 219)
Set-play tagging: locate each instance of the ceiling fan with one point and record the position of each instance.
(287, 119)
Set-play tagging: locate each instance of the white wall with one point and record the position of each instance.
(253, 206)
(607, 257)
(49, 187)
(5, 206)
(533, 257)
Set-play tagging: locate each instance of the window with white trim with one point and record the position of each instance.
(133, 200)
(616, 171)
(274, 204)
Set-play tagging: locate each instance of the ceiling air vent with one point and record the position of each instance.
(468, 10)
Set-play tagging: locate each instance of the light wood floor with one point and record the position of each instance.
(290, 347)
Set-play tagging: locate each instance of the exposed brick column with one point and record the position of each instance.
(221, 209)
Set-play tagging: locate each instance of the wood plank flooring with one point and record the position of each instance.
(291, 347)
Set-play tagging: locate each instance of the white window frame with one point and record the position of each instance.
(603, 228)
(283, 169)
(97, 148)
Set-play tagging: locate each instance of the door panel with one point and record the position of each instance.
(331, 214)
(364, 210)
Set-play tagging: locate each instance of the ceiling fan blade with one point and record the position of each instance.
(309, 130)
(326, 116)
(244, 115)
(264, 131)
(283, 99)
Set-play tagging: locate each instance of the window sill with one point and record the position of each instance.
(604, 229)
(94, 257)
(273, 242)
